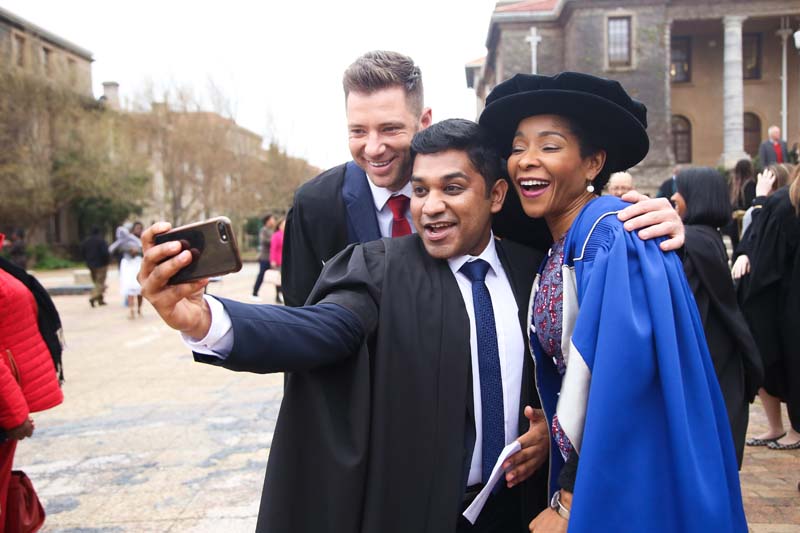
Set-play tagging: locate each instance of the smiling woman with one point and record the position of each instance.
(621, 361)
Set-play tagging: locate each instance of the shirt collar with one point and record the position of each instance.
(489, 254)
(381, 195)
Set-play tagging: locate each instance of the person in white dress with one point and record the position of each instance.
(128, 285)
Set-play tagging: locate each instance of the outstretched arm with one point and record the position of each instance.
(273, 338)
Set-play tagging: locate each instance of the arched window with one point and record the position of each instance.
(681, 139)
(752, 133)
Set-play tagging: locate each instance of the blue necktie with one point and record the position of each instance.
(493, 420)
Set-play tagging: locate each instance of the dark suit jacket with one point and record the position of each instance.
(767, 155)
(94, 250)
(329, 212)
(378, 438)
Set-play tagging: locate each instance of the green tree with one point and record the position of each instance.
(60, 150)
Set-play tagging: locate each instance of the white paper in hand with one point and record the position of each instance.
(475, 508)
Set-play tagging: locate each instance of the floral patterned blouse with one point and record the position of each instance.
(548, 305)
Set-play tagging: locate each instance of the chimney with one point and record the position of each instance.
(111, 94)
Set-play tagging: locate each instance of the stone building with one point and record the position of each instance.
(202, 164)
(28, 48)
(714, 75)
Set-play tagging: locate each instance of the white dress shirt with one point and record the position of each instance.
(219, 339)
(510, 347)
(384, 213)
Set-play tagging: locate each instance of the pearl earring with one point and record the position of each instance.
(589, 187)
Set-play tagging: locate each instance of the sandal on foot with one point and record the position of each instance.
(775, 445)
(763, 442)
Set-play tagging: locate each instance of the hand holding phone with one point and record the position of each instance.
(212, 244)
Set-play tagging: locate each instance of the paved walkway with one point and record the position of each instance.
(147, 440)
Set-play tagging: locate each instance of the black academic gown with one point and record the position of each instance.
(381, 441)
(770, 296)
(316, 230)
(733, 351)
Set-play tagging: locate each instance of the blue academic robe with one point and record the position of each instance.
(639, 400)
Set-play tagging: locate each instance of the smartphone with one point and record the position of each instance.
(213, 247)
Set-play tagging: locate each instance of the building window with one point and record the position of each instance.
(680, 66)
(619, 41)
(752, 133)
(46, 60)
(681, 139)
(19, 50)
(72, 70)
(751, 56)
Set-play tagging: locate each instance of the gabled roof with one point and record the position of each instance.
(527, 6)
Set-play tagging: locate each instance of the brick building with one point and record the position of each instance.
(714, 75)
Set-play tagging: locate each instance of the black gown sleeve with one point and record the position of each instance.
(300, 266)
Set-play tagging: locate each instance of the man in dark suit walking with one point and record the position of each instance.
(774, 149)
(94, 250)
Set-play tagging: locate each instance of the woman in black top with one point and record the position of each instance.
(770, 299)
(702, 203)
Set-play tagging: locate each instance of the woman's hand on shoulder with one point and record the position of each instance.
(654, 217)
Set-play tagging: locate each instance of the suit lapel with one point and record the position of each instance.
(362, 222)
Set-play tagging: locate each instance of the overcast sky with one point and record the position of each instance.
(279, 62)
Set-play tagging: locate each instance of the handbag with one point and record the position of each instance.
(273, 276)
(24, 512)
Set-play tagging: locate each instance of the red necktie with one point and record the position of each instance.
(399, 205)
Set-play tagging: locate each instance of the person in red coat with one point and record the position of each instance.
(28, 379)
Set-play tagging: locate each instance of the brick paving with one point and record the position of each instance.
(770, 482)
(146, 440)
